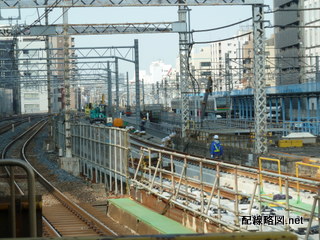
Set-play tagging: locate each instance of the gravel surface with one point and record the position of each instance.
(9, 136)
(74, 187)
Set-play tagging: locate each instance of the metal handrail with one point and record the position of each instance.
(31, 192)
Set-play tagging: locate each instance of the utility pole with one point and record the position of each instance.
(165, 92)
(177, 84)
(228, 85)
(136, 64)
(239, 61)
(117, 85)
(66, 79)
(153, 92)
(48, 75)
(317, 69)
(128, 94)
(16, 86)
(109, 91)
(158, 93)
(143, 103)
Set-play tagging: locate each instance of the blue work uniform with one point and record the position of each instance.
(216, 150)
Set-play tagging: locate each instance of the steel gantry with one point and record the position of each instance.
(260, 113)
(89, 29)
(184, 69)
(120, 3)
(258, 25)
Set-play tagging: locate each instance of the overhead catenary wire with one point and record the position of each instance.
(222, 27)
(38, 20)
(225, 39)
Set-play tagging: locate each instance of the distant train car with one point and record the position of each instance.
(153, 112)
(217, 106)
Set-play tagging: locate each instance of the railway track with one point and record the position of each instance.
(64, 217)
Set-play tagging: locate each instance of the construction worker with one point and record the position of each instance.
(216, 150)
(142, 124)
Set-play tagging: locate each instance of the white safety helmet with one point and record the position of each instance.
(215, 137)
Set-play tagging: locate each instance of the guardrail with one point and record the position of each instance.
(31, 195)
(209, 178)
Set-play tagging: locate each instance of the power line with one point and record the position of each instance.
(225, 39)
(218, 28)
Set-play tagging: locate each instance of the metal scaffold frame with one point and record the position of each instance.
(154, 168)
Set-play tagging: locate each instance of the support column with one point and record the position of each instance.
(229, 86)
(66, 79)
(318, 108)
(48, 76)
(117, 86)
(142, 85)
(283, 108)
(184, 75)
(308, 108)
(260, 117)
(299, 109)
(16, 89)
(318, 115)
(246, 107)
(251, 108)
(136, 64)
(283, 111)
(317, 69)
(270, 109)
(128, 94)
(243, 116)
(109, 90)
(290, 109)
(277, 110)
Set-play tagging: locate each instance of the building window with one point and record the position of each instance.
(205, 64)
(25, 52)
(206, 73)
(34, 96)
(30, 108)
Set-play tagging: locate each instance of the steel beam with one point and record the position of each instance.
(260, 116)
(89, 29)
(5, 4)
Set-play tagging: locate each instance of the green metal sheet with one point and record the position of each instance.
(163, 224)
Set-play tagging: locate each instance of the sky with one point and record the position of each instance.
(152, 47)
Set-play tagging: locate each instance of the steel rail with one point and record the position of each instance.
(50, 228)
(5, 151)
(63, 198)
